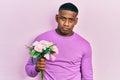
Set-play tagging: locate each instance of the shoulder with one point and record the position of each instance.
(47, 32)
(83, 42)
(44, 35)
(81, 39)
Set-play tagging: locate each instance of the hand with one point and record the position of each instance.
(40, 65)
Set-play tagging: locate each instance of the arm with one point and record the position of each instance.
(31, 68)
(86, 67)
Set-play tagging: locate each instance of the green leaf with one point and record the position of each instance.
(32, 53)
(52, 52)
(48, 50)
(30, 47)
(37, 54)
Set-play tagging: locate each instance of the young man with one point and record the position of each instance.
(74, 61)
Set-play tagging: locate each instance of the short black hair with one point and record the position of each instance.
(69, 6)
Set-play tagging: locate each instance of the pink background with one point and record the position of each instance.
(22, 20)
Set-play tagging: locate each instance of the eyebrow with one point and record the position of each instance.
(66, 18)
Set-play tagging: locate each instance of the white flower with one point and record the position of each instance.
(55, 49)
(38, 48)
(35, 43)
(42, 45)
(50, 57)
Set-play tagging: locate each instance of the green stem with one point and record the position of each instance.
(42, 74)
(32, 61)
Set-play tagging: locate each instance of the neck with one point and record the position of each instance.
(64, 34)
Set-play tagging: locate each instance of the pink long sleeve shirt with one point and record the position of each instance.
(74, 61)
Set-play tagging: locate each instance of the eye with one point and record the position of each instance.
(71, 20)
(63, 18)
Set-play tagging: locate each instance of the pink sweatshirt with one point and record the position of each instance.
(74, 61)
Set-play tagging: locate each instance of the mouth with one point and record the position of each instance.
(65, 29)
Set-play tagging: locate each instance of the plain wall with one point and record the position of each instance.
(22, 20)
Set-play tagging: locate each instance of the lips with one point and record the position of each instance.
(65, 29)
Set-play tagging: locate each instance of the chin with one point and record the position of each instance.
(65, 32)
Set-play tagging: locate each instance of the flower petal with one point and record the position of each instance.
(52, 57)
(35, 43)
(47, 56)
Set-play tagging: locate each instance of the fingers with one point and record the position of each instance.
(41, 63)
(42, 59)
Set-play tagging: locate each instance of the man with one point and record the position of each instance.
(74, 61)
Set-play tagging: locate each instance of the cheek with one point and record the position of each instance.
(60, 23)
(72, 26)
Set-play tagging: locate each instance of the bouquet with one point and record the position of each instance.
(43, 49)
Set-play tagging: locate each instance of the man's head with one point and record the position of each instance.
(68, 6)
(67, 18)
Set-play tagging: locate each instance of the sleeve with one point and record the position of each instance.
(86, 66)
(30, 67)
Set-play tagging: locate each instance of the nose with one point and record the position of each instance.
(66, 23)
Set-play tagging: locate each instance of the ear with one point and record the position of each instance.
(56, 18)
(76, 21)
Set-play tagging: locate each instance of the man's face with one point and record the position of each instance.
(66, 20)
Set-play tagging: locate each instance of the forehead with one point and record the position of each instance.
(67, 13)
